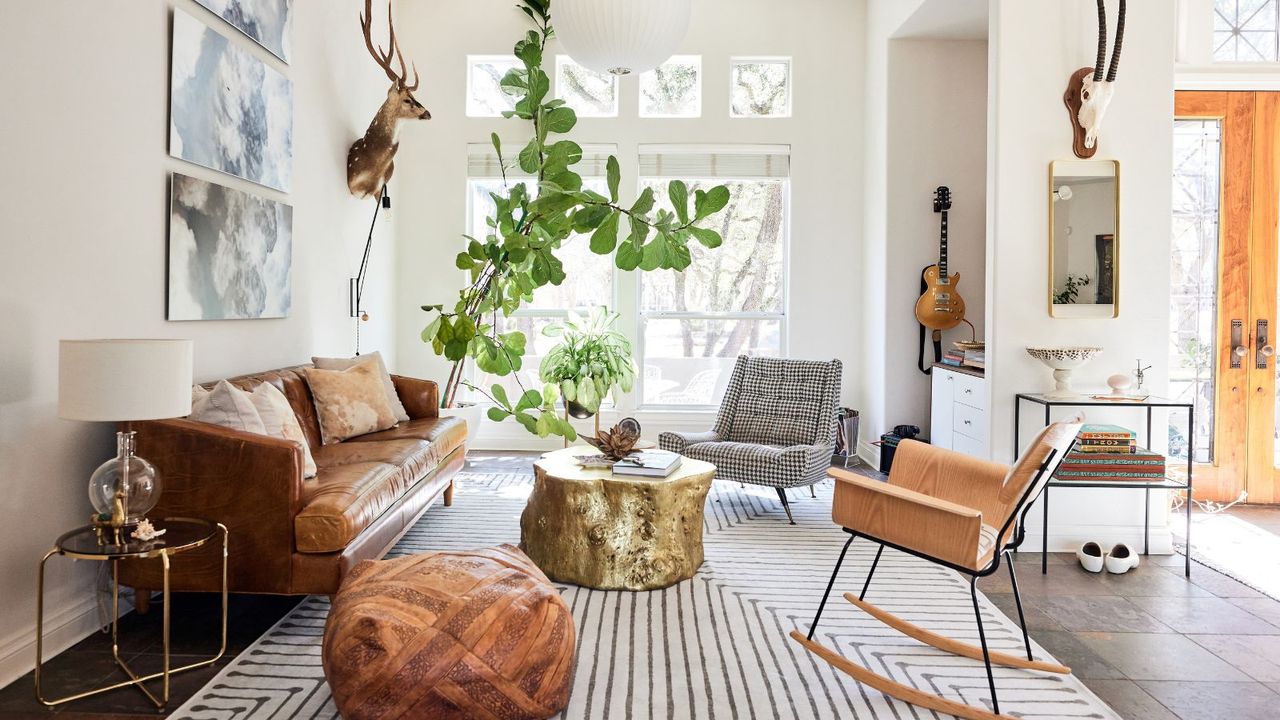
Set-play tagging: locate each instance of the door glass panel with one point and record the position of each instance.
(1194, 307)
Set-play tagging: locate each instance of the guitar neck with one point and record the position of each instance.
(942, 248)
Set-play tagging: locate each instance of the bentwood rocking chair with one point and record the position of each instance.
(953, 510)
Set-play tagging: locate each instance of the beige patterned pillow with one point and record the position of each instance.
(349, 402)
(227, 406)
(393, 398)
(281, 422)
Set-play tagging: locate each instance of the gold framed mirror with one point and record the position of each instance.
(1084, 239)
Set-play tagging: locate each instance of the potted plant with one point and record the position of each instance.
(591, 359)
(532, 220)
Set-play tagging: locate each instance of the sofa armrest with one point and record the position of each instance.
(250, 483)
(677, 442)
(909, 519)
(421, 398)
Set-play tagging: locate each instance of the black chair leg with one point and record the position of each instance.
(831, 583)
(1017, 599)
(986, 654)
(782, 495)
(812, 493)
(863, 595)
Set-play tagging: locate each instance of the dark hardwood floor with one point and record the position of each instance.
(1152, 644)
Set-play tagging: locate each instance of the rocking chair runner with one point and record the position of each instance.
(943, 507)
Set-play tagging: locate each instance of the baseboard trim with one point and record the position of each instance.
(1068, 538)
(870, 454)
(62, 629)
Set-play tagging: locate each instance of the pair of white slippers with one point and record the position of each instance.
(1119, 561)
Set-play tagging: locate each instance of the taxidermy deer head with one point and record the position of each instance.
(370, 161)
(1089, 91)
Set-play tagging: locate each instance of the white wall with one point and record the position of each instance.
(937, 136)
(83, 215)
(825, 39)
(1035, 47)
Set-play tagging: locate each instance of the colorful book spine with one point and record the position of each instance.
(1107, 475)
(1107, 449)
(1107, 432)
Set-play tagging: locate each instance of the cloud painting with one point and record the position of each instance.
(229, 253)
(228, 110)
(267, 22)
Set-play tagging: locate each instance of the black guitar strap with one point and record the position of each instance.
(937, 336)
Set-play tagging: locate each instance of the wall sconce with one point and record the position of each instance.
(355, 285)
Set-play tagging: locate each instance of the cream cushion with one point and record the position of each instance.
(393, 398)
(278, 419)
(226, 406)
(349, 402)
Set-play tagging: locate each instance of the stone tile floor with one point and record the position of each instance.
(1151, 643)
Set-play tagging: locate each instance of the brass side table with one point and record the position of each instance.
(181, 534)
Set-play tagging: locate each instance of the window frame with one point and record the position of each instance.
(737, 60)
(561, 60)
(681, 60)
(473, 60)
(642, 316)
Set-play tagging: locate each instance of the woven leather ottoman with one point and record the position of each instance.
(479, 634)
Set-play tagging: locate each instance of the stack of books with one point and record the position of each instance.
(1110, 439)
(648, 463)
(1108, 452)
(975, 359)
(953, 358)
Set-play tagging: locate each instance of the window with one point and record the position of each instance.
(1246, 30)
(485, 96)
(673, 89)
(589, 93)
(589, 281)
(731, 300)
(760, 87)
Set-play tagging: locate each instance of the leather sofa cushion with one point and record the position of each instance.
(361, 478)
(444, 433)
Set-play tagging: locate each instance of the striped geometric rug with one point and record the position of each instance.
(712, 647)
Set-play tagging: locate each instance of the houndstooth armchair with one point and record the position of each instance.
(776, 425)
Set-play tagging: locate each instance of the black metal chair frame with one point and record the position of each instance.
(1017, 517)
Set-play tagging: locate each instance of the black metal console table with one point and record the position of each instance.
(1150, 404)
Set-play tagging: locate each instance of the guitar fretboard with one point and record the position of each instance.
(942, 249)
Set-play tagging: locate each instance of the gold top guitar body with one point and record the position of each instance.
(940, 307)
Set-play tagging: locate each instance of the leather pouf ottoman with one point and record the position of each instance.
(479, 634)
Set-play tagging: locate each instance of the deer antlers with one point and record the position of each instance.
(383, 58)
(1102, 43)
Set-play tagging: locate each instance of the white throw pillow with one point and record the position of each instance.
(227, 406)
(393, 399)
(280, 421)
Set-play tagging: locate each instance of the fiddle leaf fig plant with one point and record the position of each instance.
(591, 359)
(532, 220)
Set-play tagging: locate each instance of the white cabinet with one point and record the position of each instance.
(958, 419)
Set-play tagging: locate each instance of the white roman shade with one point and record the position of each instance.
(482, 161)
(742, 162)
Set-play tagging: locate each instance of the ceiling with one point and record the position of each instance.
(947, 20)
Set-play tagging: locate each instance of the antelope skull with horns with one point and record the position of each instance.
(1089, 91)
(370, 161)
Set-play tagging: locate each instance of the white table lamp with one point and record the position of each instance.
(120, 381)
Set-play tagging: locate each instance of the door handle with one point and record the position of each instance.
(1265, 351)
(1238, 350)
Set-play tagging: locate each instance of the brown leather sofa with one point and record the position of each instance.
(290, 535)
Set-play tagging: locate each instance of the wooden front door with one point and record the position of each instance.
(1224, 290)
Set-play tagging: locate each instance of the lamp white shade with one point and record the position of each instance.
(621, 36)
(117, 380)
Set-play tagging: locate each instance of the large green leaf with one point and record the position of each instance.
(614, 176)
(679, 194)
(561, 120)
(709, 238)
(711, 202)
(529, 157)
(605, 238)
(628, 256)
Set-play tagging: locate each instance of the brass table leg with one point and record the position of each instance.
(134, 679)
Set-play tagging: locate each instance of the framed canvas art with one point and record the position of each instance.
(228, 110)
(266, 22)
(230, 253)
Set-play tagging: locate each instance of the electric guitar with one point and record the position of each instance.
(940, 307)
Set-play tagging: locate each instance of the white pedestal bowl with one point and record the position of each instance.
(1062, 360)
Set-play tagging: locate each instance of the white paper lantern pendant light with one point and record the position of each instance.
(621, 37)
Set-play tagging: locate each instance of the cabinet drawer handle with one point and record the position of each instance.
(968, 391)
(968, 422)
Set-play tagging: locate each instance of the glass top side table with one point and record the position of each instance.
(1169, 483)
(84, 543)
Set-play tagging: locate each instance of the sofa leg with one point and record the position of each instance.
(782, 495)
(141, 601)
(448, 495)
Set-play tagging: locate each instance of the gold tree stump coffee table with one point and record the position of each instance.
(613, 532)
